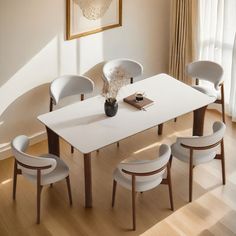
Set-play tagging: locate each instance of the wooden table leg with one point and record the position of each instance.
(160, 129)
(198, 121)
(88, 180)
(53, 142)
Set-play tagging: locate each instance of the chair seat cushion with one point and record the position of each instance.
(142, 183)
(199, 156)
(60, 172)
(210, 91)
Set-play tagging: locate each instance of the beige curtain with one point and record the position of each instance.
(182, 37)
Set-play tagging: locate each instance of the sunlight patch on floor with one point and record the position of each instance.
(6, 181)
(147, 148)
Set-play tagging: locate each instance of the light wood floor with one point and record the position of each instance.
(213, 211)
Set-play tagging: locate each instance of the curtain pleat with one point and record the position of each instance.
(182, 46)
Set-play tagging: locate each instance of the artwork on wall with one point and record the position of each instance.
(86, 17)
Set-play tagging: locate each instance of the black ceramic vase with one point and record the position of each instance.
(111, 107)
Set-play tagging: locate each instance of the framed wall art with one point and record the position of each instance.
(84, 17)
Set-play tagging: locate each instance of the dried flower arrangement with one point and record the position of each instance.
(117, 78)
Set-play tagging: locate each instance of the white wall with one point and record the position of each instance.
(33, 52)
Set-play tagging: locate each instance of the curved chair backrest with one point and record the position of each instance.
(133, 68)
(203, 141)
(152, 165)
(206, 70)
(69, 85)
(19, 146)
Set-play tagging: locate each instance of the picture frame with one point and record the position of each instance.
(85, 17)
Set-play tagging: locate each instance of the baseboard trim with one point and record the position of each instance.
(5, 152)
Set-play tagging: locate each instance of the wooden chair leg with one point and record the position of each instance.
(114, 193)
(117, 144)
(223, 170)
(14, 180)
(133, 202)
(191, 175)
(223, 111)
(69, 189)
(175, 119)
(170, 161)
(39, 190)
(223, 102)
(223, 162)
(170, 186)
(72, 149)
(131, 80)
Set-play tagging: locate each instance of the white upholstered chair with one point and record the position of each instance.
(198, 150)
(143, 175)
(69, 85)
(211, 72)
(43, 170)
(133, 68)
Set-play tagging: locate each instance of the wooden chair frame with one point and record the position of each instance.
(220, 156)
(218, 101)
(39, 186)
(222, 101)
(131, 80)
(134, 175)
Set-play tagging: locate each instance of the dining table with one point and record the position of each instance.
(85, 126)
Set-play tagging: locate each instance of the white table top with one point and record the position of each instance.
(86, 127)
